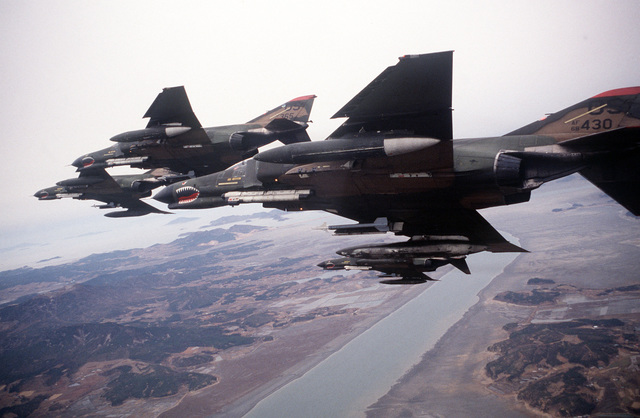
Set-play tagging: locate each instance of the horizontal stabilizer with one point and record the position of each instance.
(615, 163)
(619, 178)
(295, 137)
(285, 125)
(288, 131)
(615, 140)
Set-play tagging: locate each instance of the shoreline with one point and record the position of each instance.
(449, 378)
(370, 366)
(288, 363)
(443, 382)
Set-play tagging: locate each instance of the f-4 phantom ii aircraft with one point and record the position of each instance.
(394, 167)
(116, 192)
(175, 146)
(174, 138)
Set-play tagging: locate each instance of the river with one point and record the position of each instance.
(362, 371)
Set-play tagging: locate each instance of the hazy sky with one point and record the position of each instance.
(75, 73)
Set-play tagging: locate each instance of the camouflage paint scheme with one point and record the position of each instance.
(394, 160)
(175, 139)
(175, 146)
(115, 191)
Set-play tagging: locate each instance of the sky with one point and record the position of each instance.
(76, 73)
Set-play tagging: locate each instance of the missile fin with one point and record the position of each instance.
(461, 264)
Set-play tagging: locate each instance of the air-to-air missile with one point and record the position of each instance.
(428, 247)
(345, 149)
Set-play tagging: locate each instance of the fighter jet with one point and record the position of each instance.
(117, 191)
(408, 260)
(175, 139)
(394, 167)
(410, 271)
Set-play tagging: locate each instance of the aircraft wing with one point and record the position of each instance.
(172, 107)
(108, 190)
(413, 96)
(135, 207)
(442, 222)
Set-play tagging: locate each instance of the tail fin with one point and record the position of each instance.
(612, 109)
(605, 129)
(297, 110)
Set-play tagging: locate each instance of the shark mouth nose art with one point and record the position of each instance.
(187, 194)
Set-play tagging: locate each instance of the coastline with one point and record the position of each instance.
(293, 352)
(451, 379)
(368, 367)
(445, 381)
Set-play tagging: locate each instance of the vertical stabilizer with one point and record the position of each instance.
(612, 109)
(297, 110)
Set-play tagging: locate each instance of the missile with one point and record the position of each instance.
(352, 263)
(419, 249)
(379, 226)
(426, 264)
(89, 162)
(410, 272)
(344, 149)
(157, 132)
(266, 196)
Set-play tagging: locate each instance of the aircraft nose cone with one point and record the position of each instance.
(165, 195)
(83, 162)
(41, 194)
(322, 265)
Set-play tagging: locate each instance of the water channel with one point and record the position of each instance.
(362, 371)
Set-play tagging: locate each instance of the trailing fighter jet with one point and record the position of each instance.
(117, 191)
(394, 167)
(174, 138)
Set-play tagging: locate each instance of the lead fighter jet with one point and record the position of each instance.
(124, 191)
(394, 167)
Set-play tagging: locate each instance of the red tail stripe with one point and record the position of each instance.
(301, 98)
(627, 91)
